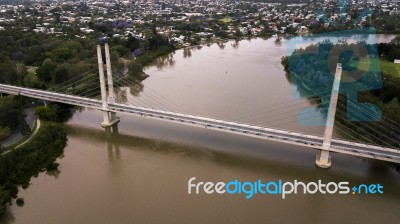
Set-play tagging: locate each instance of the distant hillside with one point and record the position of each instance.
(11, 2)
(282, 1)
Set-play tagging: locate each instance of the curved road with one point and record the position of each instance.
(17, 135)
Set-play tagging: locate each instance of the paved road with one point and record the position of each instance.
(17, 135)
(32, 135)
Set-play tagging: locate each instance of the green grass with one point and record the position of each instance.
(226, 19)
(390, 68)
(387, 67)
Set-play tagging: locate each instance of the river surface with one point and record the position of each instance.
(138, 172)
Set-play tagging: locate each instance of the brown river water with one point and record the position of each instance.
(139, 172)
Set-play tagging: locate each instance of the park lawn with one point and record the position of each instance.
(390, 68)
(386, 67)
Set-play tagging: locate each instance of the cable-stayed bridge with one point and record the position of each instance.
(66, 93)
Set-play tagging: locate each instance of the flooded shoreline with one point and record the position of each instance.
(139, 173)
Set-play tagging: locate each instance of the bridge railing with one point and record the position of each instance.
(234, 127)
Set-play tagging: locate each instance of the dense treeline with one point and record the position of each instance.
(153, 47)
(37, 60)
(44, 61)
(390, 51)
(40, 61)
(387, 24)
(55, 112)
(17, 168)
(378, 87)
(12, 115)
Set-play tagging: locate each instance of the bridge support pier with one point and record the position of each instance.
(109, 119)
(323, 159)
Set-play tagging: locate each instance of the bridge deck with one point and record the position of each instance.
(294, 138)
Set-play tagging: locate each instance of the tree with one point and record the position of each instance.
(46, 70)
(60, 75)
(222, 34)
(290, 30)
(393, 54)
(8, 72)
(46, 113)
(132, 43)
(135, 69)
(122, 51)
(20, 202)
(10, 113)
(17, 168)
(396, 41)
(4, 132)
(62, 54)
(30, 80)
(34, 56)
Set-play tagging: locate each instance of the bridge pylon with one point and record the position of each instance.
(109, 118)
(111, 94)
(323, 159)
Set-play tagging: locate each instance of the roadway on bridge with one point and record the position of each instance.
(294, 138)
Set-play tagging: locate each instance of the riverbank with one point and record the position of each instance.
(18, 167)
(142, 169)
(46, 144)
(378, 106)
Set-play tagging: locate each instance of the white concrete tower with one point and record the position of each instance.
(323, 158)
(111, 94)
(109, 119)
(101, 78)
